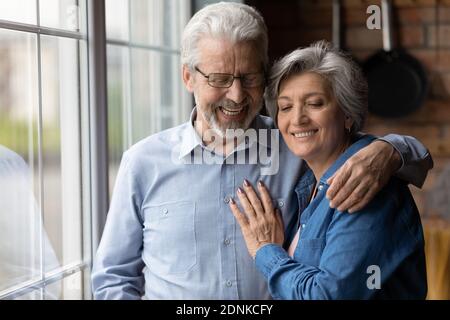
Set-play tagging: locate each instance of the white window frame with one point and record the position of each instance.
(47, 278)
(94, 142)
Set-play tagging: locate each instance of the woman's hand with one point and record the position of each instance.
(261, 224)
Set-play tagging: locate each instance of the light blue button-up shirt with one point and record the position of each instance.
(170, 233)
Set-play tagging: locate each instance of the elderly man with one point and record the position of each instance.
(169, 232)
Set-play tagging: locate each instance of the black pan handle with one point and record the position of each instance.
(336, 24)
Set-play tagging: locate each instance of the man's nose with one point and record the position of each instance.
(236, 92)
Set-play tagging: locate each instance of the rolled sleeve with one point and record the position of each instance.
(416, 159)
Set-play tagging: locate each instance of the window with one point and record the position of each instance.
(47, 210)
(145, 92)
(43, 91)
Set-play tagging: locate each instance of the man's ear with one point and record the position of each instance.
(188, 79)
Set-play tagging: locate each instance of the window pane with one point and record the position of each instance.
(19, 215)
(18, 11)
(118, 106)
(155, 22)
(62, 14)
(117, 19)
(61, 146)
(68, 288)
(145, 93)
(156, 93)
(35, 294)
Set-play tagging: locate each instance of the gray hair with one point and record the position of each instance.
(233, 21)
(345, 78)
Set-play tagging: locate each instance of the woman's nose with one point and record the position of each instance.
(300, 115)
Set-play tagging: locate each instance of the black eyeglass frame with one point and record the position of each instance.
(232, 76)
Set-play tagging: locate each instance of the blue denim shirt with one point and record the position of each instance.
(375, 253)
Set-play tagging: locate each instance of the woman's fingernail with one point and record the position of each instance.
(232, 201)
(260, 184)
(240, 190)
(246, 183)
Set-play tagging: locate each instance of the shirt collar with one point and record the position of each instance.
(190, 139)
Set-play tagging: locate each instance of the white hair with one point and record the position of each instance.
(343, 75)
(235, 22)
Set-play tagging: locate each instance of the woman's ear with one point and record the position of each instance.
(188, 79)
(348, 123)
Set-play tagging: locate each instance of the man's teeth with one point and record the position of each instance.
(229, 112)
(304, 134)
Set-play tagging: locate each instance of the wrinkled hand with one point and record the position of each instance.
(261, 224)
(357, 182)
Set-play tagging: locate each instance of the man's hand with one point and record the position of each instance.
(357, 182)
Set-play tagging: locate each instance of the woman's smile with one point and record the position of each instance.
(304, 134)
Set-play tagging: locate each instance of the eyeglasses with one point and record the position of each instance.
(225, 80)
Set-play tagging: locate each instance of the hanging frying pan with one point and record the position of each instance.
(397, 81)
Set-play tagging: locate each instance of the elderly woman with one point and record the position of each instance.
(317, 96)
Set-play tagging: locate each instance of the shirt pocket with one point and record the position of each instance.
(309, 251)
(169, 237)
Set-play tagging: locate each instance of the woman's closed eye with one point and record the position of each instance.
(315, 104)
(285, 108)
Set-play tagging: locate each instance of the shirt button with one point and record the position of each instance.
(280, 204)
(227, 242)
(303, 226)
(229, 283)
(226, 199)
(165, 211)
(320, 187)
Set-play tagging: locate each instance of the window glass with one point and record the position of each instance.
(23, 11)
(61, 146)
(118, 106)
(155, 22)
(145, 92)
(19, 207)
(67, 288)
(117, 19)
(61, 14)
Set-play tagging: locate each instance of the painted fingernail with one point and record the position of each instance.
(246, 183)
(232, 201)
(240, 190)
(260, 184)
